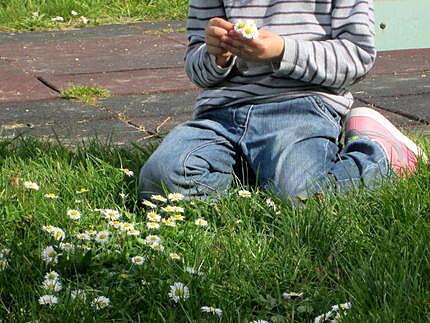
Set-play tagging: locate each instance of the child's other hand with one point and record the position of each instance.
(268, 46)
(216, 29)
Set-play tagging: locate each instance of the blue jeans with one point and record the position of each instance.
(292, 147)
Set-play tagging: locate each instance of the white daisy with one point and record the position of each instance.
(292, 295)
(91, 233)
(149, 204)
(126, 226)
(102, 237)
(179, 291)
(84, 20)
(57, 19)
(178, 217)
(48, 228)
(82, 190)
(138, 260)
(134, 232)
(83, 236)
(101, 302)
(115, 224)
(153, 216)
(244, 193)
(174, 256)
(48, 300)
(31, 185)
(170, 222)
(157, 246)
(158, 198)
(111, 214)
(49, 255)
(260, 321)
(201, 222)
(210, 309)
(4, 263)
(52, 285)
(247, 28)
(52, 275)
(78, 293)
(153, 225)
(51, 196)
(74, 13)
(127, 172)
(67, 246)
(58, 234)
(175, 197)
(74, 214)
(152, 239)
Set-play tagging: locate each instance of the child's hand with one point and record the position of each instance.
(268, 46)
(216, 29)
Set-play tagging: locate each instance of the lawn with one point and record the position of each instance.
(72, 228)
(29, 15)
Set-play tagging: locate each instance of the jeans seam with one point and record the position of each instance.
(248, 116)
(189, 154)
(329, 118)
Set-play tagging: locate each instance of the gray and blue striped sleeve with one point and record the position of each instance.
(200, 66)
(340, 61)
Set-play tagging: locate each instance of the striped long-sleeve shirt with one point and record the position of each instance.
(329, 45)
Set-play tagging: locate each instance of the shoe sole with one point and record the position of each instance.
(396, 133)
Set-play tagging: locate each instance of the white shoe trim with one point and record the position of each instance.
(371, 113)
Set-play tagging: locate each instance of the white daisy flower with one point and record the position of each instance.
(48, 228)
(58, 234)
(153, 225)
(247, 28)
(3, 264)
(101, 302)
(152, 239)
(157, 246)
(244, 193)
(170, 222)
(127, 172)
(174, 256)
(178, 209)
(48, 300)
(57, 19)
(78, 293)
(52, 275)
(51, 196)
(74, 214)
(82, 190)
(175, 197)
(179, 291)
(111, 214)
(67, 246)
(138, 260)
(126, 226)
(84, 20)
(115, 224)
(178, 217)
(260, 321)
(102, 237)
(149, 204)
(192, 271)
(52, 285)
(31, 185)
(210, 309)
(153, 216)
(35, 14)
(122, 195)
(134, 232)
(201, 222)
(158, 198)
(83, 236)
(49, 255)
(91, 233)
(74, 13)
(292, 295)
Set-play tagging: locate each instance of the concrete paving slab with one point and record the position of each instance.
(143, 81)
(15, 85)
(154, 114)
(67, 121)
(402, 61)
(407, 95)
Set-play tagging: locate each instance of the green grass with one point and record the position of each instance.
(18, 14)
(85, 94)
(368, 248)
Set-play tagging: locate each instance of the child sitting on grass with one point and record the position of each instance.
(277, 97)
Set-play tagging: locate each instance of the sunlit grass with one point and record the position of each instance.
(37, 14)
(85, 94)
(367, 248)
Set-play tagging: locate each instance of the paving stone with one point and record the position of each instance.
(154, 114)
(68, 121)
(144, 81)
(16, 85)
(402, 61)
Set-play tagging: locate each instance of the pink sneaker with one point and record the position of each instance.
(402, 153)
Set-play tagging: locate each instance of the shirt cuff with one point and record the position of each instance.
(289, 59)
